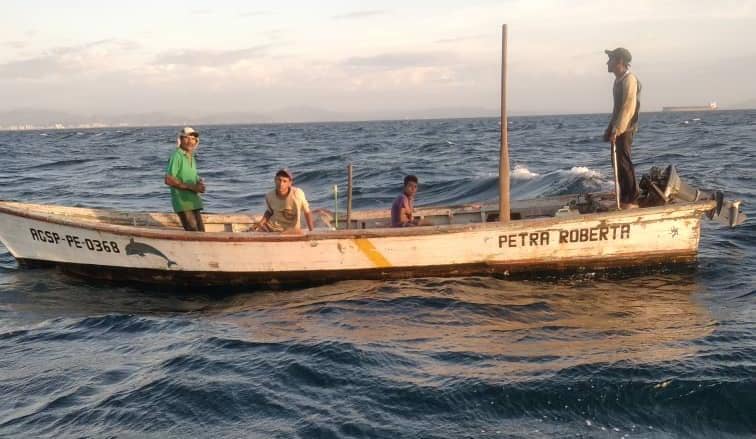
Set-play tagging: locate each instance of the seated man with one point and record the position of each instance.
(285, 203)
(404, 205)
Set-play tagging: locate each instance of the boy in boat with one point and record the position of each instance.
(181, 176)
(624, 122)
(285, 204)
(404, 205)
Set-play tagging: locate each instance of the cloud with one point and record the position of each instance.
(462, 39)
(428, 70)
(359, 14)
(15, 44)
(36, 68)
(273, 33)
(392, 61)
(65, 60)
(448, 58)
(210, 58)
(108, 45)
(254, 13)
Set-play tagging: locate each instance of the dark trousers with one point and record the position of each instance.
(192, 220)
(628, 187)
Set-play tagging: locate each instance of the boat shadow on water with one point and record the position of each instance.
(76, 276)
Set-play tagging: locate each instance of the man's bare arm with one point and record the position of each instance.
(308, 217)
(405, 217)
(175, 182)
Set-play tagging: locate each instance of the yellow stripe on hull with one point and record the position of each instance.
(369, 250)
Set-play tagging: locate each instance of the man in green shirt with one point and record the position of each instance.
(181, 176)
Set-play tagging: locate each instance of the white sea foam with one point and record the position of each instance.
(582, 171)
(521, 172)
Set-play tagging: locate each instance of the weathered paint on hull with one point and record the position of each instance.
(640, 237)
(293, 278)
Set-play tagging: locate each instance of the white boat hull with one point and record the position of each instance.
(95, 249)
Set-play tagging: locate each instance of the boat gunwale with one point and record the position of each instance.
(696, 209)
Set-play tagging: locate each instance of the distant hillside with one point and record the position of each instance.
(22, 116)
(41, 118)
(27, 117)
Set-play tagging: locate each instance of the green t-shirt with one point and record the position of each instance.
(183, 168)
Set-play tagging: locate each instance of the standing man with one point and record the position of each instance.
(624, 122)
(285, 204)
(404, 205)
(181, 176)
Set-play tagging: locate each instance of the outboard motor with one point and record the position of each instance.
(663, 187)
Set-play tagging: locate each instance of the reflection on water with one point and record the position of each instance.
(33, 296)
(476, 327)
(497, 327)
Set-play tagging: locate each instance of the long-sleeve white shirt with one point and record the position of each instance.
(626, 93)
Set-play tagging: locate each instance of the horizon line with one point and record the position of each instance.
(198, 123)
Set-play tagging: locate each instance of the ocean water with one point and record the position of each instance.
(663, 353)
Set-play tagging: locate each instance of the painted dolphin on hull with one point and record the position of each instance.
(141, 249)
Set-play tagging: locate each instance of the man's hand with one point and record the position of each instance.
(175, 182)
(613, 136)
(607, 134)
(198, 188)
(260, 226)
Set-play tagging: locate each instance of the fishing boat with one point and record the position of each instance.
(571, 232)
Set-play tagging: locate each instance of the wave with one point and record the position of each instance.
(525, 184)
(58, 330)
(60, 163)
(576, 180)
(520, 172)
(286, 394)
(665, 354)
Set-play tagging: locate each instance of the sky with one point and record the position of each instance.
(361, 57)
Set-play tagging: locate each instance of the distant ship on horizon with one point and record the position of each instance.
(711, 107)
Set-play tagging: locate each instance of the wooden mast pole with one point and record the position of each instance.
(504, 150)
(349, 197)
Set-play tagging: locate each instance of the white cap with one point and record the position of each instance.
(188, 131)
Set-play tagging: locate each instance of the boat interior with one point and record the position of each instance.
(658, 187)
(325, 219)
